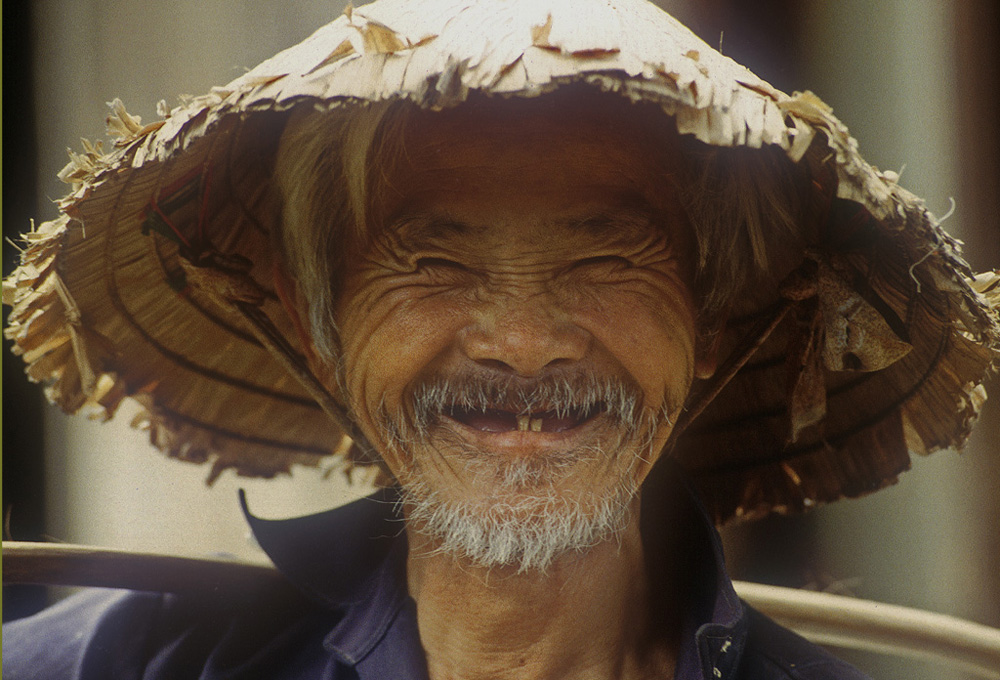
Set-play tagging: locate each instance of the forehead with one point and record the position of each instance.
(593, 161)
(598, 134)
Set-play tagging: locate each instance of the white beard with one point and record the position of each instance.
(525, 523)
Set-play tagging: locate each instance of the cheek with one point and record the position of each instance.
(388, 341)
(652, 335)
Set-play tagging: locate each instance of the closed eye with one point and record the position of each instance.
(617, 261)
(439, 263)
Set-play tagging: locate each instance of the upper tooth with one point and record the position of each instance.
(536, 424)
(523, 423)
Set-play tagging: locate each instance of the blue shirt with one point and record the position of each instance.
(350, 615)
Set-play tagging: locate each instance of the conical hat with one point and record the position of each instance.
(887, 359)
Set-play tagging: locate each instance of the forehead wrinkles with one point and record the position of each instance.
(627, 230)
(468, 166)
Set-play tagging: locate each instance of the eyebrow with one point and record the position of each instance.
(614, 223)
(427, 228)
(421, 227)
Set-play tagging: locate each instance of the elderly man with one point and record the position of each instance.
(556, 270)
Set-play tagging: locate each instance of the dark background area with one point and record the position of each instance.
(23, 463)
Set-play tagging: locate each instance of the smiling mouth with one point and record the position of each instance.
(499, 420)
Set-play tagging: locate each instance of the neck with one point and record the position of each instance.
(588, 615)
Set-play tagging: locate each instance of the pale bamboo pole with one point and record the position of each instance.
(853, 623)
(835, 620)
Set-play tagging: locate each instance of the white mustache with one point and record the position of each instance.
(568, 395)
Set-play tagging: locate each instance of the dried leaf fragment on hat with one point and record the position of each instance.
(857, 336)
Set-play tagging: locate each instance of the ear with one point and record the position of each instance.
(296, 309)
(706, 359)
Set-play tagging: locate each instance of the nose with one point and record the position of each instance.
(523, 338)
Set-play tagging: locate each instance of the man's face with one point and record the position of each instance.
(520, 334)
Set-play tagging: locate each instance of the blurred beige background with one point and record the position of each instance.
(911, 78)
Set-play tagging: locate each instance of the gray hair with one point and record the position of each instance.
(740, 202)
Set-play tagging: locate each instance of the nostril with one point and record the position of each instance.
(555, 363)
(495, 365)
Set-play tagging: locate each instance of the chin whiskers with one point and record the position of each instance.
(526, 533)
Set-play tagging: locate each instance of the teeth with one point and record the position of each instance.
(526, 423)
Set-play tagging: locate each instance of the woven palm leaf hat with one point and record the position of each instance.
(155, 281)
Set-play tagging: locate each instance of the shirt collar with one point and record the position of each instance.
(714, 630)
(353, 559)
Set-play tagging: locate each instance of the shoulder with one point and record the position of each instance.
(774, 652)
(128, 634)
(59, 642)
